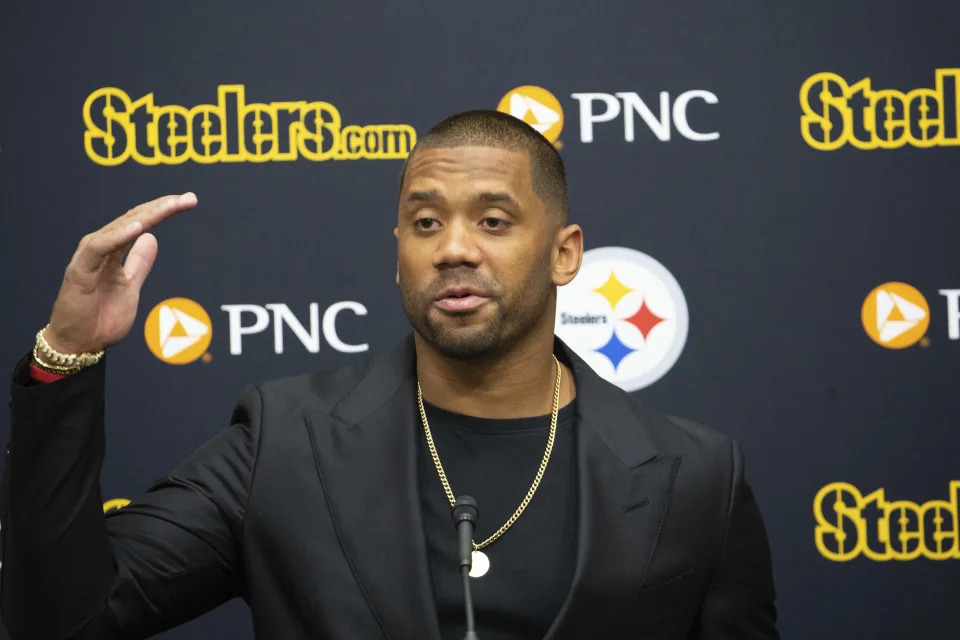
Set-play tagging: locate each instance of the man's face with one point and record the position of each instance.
(474, 249)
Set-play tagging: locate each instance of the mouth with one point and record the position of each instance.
(460, 299)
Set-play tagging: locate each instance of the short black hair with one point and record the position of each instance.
(488, 128)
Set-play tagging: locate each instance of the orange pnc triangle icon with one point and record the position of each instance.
(178, 331)
(895, 315)
(537, 107)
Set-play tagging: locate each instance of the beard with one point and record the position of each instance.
(459, 337)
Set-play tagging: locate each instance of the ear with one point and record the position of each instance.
(396, 234)
(568, 254)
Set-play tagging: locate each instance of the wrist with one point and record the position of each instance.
(38, 363)
(39, 359)
(50, 358)
(61, 345)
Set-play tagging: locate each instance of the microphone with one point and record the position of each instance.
(465, 517)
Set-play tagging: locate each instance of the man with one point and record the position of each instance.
(326, 503)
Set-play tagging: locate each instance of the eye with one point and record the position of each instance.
(495, 224)
(425, 224)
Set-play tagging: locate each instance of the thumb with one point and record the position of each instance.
(140, 260)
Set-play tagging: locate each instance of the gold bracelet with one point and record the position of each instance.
(52, 368)
(57, 362)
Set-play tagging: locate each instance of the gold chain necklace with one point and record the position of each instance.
(481, 563)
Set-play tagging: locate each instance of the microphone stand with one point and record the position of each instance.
(465, 516)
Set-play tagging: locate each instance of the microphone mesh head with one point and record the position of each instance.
(465, 508)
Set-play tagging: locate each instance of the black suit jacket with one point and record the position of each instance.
(307, 507)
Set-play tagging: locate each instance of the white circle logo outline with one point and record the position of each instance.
(681, 320)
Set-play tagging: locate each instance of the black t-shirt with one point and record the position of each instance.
(531, 565)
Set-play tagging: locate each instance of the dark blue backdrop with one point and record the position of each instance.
(775, 243)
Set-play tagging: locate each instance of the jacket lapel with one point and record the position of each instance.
(365, 449)
(366, 460)
(624, 491)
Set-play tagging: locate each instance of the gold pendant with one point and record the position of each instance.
(479, 564)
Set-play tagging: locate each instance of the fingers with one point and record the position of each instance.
(140, 259)
(152, 213)
(95, 248)
(111, 241)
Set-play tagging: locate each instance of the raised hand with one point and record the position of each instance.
(98, 299)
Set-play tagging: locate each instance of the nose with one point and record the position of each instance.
(456, 246)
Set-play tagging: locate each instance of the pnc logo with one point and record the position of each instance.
(895, 315)
(625, 315)
(664, 118)
(178, 331)
(537, 107)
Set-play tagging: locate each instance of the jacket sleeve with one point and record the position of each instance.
(68, 570)
(740, 600)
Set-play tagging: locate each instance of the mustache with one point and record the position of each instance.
(461, 276)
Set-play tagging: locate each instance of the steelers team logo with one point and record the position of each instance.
(537, 107)
(178, 331)
(895, 315)
(625, 315)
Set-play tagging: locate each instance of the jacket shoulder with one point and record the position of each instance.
(707, 449)
(700, 435)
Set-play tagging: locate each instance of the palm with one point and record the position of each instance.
(98, 300)
(117, 309)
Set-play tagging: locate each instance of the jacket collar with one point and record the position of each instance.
(370, 446)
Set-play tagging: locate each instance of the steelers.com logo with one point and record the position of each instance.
(537, 107)
(625, 315)
(178, 331)
(895, 315)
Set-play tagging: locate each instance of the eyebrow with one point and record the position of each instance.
(489, 197)
(424, 196)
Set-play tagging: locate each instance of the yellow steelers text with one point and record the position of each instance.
(850, 524)
(836, 113)
(115, 503)
(119, 128)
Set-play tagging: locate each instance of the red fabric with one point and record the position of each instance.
(43, 376)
